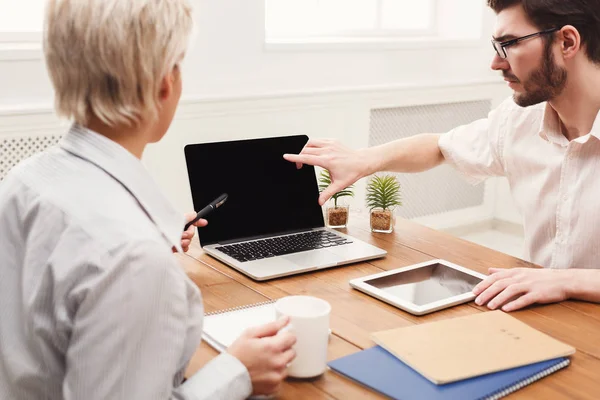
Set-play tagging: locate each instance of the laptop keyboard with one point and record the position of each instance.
(277, 246)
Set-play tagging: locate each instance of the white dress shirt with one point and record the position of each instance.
(93, 304)
(552, 180)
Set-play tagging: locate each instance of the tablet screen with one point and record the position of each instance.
(426, 284)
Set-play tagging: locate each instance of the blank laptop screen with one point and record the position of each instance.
(267, 194)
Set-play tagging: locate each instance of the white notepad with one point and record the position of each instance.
(222, 328)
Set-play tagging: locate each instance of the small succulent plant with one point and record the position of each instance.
(383, 192)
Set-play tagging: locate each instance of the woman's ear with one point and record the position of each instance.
(166, 87)
(168, 83)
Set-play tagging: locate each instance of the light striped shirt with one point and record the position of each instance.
(554, 182)
(93, 304)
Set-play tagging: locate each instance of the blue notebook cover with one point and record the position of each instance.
(381, 371)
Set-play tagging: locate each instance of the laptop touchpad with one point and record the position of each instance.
(314, 258)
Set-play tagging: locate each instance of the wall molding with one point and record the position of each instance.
(308, 97)
(33, 118)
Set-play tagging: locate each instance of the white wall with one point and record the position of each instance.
(235, 87)
(229, 59)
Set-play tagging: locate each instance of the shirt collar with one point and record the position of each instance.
(124, 167)
(551, 131)
(596, 127)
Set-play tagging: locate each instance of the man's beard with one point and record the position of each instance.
(544, 84)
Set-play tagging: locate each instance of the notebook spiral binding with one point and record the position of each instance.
(528, 381)
(244, 307)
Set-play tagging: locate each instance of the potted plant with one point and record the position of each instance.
(383, 194)
(336, 216)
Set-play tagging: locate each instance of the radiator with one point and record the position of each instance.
(14, 149)
(441, 189)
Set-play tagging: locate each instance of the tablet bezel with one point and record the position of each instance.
(363, 286)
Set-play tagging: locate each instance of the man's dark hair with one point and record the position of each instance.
(584, 15)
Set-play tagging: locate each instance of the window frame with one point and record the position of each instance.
(360, 35)
(382, 40)
(20, 37)
(20, 46)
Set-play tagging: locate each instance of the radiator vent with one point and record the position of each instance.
(14, 149)
(441, 189)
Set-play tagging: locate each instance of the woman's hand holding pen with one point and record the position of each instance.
(196, 219)
(187, 236)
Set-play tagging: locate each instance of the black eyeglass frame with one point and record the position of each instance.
(500, 47)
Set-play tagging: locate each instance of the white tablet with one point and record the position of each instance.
(422, 288)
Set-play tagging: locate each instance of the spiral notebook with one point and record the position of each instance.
(381, 371)
(222, 328)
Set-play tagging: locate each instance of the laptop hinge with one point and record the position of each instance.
(246, 239)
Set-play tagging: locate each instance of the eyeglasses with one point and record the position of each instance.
(500, 47)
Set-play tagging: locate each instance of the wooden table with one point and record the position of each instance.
(355, 315)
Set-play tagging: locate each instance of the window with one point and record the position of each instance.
(315, 21)
(345, 18)
(21, 20)
(21, 24)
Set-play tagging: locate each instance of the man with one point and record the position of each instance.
(93, 304)
(545, 140)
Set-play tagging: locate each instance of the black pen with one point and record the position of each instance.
(218, 202)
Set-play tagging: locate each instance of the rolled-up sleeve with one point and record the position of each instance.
(475, 150)
(129, 335)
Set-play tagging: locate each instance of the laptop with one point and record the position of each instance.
(271, 224)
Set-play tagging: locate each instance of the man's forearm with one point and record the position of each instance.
(414, 154)
(584, 285)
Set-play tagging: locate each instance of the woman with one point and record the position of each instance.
(93, 304)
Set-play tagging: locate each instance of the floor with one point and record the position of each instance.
(497, 240)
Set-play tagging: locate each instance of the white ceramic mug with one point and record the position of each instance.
(309, 321)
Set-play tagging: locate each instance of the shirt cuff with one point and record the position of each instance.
(223, 378)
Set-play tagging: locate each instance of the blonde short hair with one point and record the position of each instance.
(108, 57)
